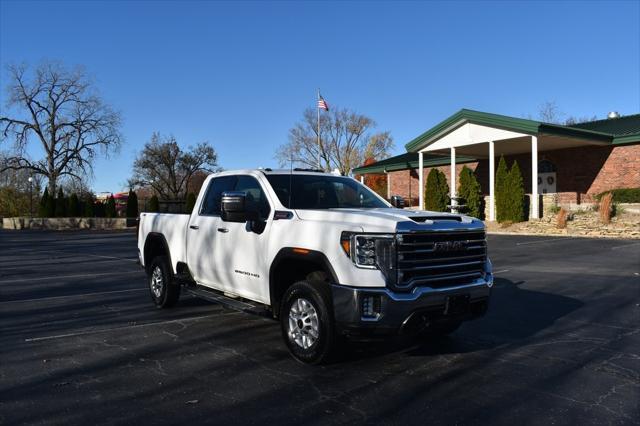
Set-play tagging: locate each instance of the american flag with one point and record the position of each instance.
(322, 104)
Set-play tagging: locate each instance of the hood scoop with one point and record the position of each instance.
(422, 219)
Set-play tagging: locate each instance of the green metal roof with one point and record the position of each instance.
(409, 160)
(523, 125)
(624, 129)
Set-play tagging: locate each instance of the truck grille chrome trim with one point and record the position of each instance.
(439, 259)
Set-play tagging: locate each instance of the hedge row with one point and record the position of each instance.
(623, 195)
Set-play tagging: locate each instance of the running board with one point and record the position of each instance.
(229, 302)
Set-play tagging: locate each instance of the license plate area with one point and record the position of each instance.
(457, 305)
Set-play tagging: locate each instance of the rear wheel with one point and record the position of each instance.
(306, 319)
(164, 291)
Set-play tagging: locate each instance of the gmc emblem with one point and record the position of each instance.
(446, 246)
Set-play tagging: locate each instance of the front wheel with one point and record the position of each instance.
(164, 291)
(306, 320)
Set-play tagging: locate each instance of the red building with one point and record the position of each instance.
(572, 163)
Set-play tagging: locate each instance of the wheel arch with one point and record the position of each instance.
(293, 264)
(156, 245)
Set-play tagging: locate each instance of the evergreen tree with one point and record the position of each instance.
(88, 205)
(191, 202)
(154, 204)
(110, 208)
(471, 192)
(74, 206)
(99, 209)
(61, 204)
(436, 195)
(502, 191)
(132, 204)
(516, 194)
(44, 201)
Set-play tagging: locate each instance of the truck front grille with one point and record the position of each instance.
(440, 259)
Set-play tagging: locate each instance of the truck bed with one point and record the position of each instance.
(174, 229)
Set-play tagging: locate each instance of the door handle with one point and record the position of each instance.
(223, 230)
(194, 227)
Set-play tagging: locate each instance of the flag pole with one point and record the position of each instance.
(319, 146)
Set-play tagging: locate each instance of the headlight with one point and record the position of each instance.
(372, 251)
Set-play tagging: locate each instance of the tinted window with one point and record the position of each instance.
(322, 192)
(256, 198)
(211, 203)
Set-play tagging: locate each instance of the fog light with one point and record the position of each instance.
(371, 307)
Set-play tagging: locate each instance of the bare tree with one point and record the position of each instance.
(345, 141)
(168, 169)
(550, 113)
(59, 109)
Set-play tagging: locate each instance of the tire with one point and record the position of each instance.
(306, 320)
(162, 287)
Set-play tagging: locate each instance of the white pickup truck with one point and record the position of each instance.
(323, 254)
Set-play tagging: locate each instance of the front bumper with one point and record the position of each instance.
(400, 312)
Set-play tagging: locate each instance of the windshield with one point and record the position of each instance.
(323, 192)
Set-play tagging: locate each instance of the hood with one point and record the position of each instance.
(391, 219)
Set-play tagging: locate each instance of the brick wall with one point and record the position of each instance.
(581, 172)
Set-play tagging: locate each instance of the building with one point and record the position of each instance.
(568, 164)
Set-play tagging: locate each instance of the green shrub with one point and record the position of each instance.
(623, 195)
(61, 204)
(44, 203)
(191, 202)
(516, 194)
(471, 192)
(501, 191)
(132, 204)
(154, 204)
(99, 209)
(88, 207)
(110, 208)
(436, 195)
(74, 206)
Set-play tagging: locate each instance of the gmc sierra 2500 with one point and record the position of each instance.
(323, 254)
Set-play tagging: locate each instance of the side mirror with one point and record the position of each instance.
(397, 201)
(234, 209)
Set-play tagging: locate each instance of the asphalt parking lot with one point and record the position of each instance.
(81, 343)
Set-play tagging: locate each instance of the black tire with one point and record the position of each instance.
(321, 348)
(168, 292)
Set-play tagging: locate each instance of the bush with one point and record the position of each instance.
(471, 192)
(74, 206)
(154, 204)
(110, 207)
(132, 204)
(516, 194)
(88, 207)
(44, 204)
(510, 199)
(436, 195)
(623, 195)
(99, 209)
(191, 202)
(501, 191)
(61, 205)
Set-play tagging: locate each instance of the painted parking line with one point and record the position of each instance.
(625, 246)
(60, 277)
(501, 271)
(40, 299)
(106, 330)
(127, 259)
(545, 241)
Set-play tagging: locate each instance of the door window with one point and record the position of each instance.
(256, 199)
(211, 202)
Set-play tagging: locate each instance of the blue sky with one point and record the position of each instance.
(240, 74)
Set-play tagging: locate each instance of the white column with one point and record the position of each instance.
(453, 176)
(362, 179)
(420, 181)
(534, 178)
(492, 182)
